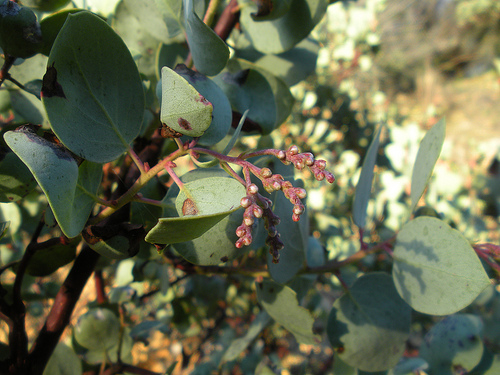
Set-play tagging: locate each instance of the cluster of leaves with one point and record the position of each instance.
(109, 134)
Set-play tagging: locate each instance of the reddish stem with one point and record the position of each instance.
(228, 20)
(99, 287)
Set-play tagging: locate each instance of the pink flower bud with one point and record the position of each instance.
(240, 231)
(252, 189)
(265, 172)
(301, 193)
(245, 202)
(298, 210)
(330, 177)
(257, 211)
(321, 164)
(248, 221)
(293, 150)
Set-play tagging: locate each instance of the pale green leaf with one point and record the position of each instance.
(427, 155)
(436, 271)
(202, 204)
(183, 108)
(240, 344)
(455, 342)
(369, 325)
(162, 19)
(98, 329)
(221, 115)
(63, 361)
(280, 302)
(364, 187)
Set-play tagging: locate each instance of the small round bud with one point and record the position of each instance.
(239, 244)
(301, 193)
(309, 159)
(293, 150)
(265, 172)
(330, 177)
(298, 210)
(257, 211)
(299, 165)
(276, 185)
(320, 164)
(281, 155)
(320, 176)
(245, 202)
(295, 217)
(240, 232)
(248, 221)
(252, 189)
(247, 240)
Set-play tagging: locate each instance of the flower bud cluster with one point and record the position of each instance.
(294, 195)
(306, 159)
(252, 211)
(257, 206)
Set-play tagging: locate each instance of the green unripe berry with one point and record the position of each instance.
(20, 34)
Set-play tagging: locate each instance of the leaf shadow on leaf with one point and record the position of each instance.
(402, 268)
(336, 329)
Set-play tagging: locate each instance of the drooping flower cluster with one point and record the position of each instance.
(257, 206)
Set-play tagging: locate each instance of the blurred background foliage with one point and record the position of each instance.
(403, 63)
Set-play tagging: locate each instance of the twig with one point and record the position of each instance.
(62, 308)
(228, 20)
(18, 339)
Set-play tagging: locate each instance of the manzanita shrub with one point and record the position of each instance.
(124, 153)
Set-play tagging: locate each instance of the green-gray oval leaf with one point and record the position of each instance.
(281, 304)
(97, 330)
(183, 109)
(280, 35)
(364, 186)
(92, 90)
(216, 245)
(201, 204)
(161, 19)
(455, 342)
(369, 325)
(250, 87)
(69, 188)
(210, 53)
(221, 115)
(436, 271)
(427, 155)
(63, 361)
(16, 181)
